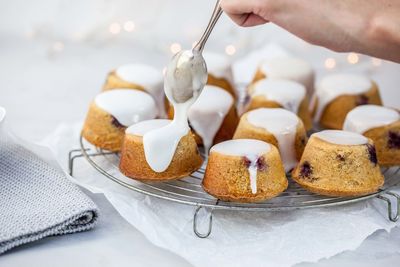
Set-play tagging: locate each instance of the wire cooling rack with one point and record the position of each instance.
(190, 192)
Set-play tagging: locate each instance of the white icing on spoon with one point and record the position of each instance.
(367, 117)
(127, 106)
(147, 77)
(251, 149)
(283, 125)
(289, 68)
(208, 112)
(288, 94)
(336, 85)
(341, 137)
(185, 78)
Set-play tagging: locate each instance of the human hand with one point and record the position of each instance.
(371, 27)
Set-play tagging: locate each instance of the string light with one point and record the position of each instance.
(230, 50)
(129, 26)
(330, 63)
(114, 28)
(376, 62)
(353, 58)
(175, 48)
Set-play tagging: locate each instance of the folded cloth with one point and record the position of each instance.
(36, 199)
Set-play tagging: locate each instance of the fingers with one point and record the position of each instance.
(246, 13)
(248, 20)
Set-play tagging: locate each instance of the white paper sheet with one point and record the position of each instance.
(238, 238)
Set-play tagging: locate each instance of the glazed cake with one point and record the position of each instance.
(273, 93)
(219, 71)
(244, 170)
(112, 112)
(140, 77)
(339, 163)
(380, 124)
(276, 126)
(287, 68)
(212, 117)
(137, 164)
(337, 94)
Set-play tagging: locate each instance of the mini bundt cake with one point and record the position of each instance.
(287, 68)
(212, 117)
(274, 93)
(244, 170)
(112, 112)
(219, 71)
(337, 94)
(134, 161)
(380, 124)
(140, 77)
(339, 163)
(278, 127)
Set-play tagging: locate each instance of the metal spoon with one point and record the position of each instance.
(186, 74)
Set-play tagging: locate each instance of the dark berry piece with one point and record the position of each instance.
(394, 140)
(246, 162)
(306, 170)
(362, 100)
(303, 141)
(372, 154)
(246, 99)
(261, 164)
(340, 157)
(116, 123)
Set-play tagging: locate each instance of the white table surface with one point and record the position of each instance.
(40, 89)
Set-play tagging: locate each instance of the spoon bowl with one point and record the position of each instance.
(186, 76)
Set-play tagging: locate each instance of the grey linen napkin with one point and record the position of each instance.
(37, 200)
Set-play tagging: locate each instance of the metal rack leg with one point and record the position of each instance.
(195, 223)
(72, 157)
(393, 213)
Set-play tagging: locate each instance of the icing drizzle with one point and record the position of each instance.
(367, 117)
(218, 65)
(289, 68)
(127, 106)
(288, 94)
(208, 112)
(251, 149)
(336, 85)
(149, 78)
(160, 144)
(341, 137)
(283, 125)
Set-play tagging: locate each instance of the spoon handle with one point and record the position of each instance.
(213, 20)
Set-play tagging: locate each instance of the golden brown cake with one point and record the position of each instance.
(380, 124)
(112, 112)
(212, 117)
(244, 170)
(287, 68)
(135, 162)
(337, 94)
(219, 71)
(276, 126)
(339, 163)
(274, 93)
(139, 77)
